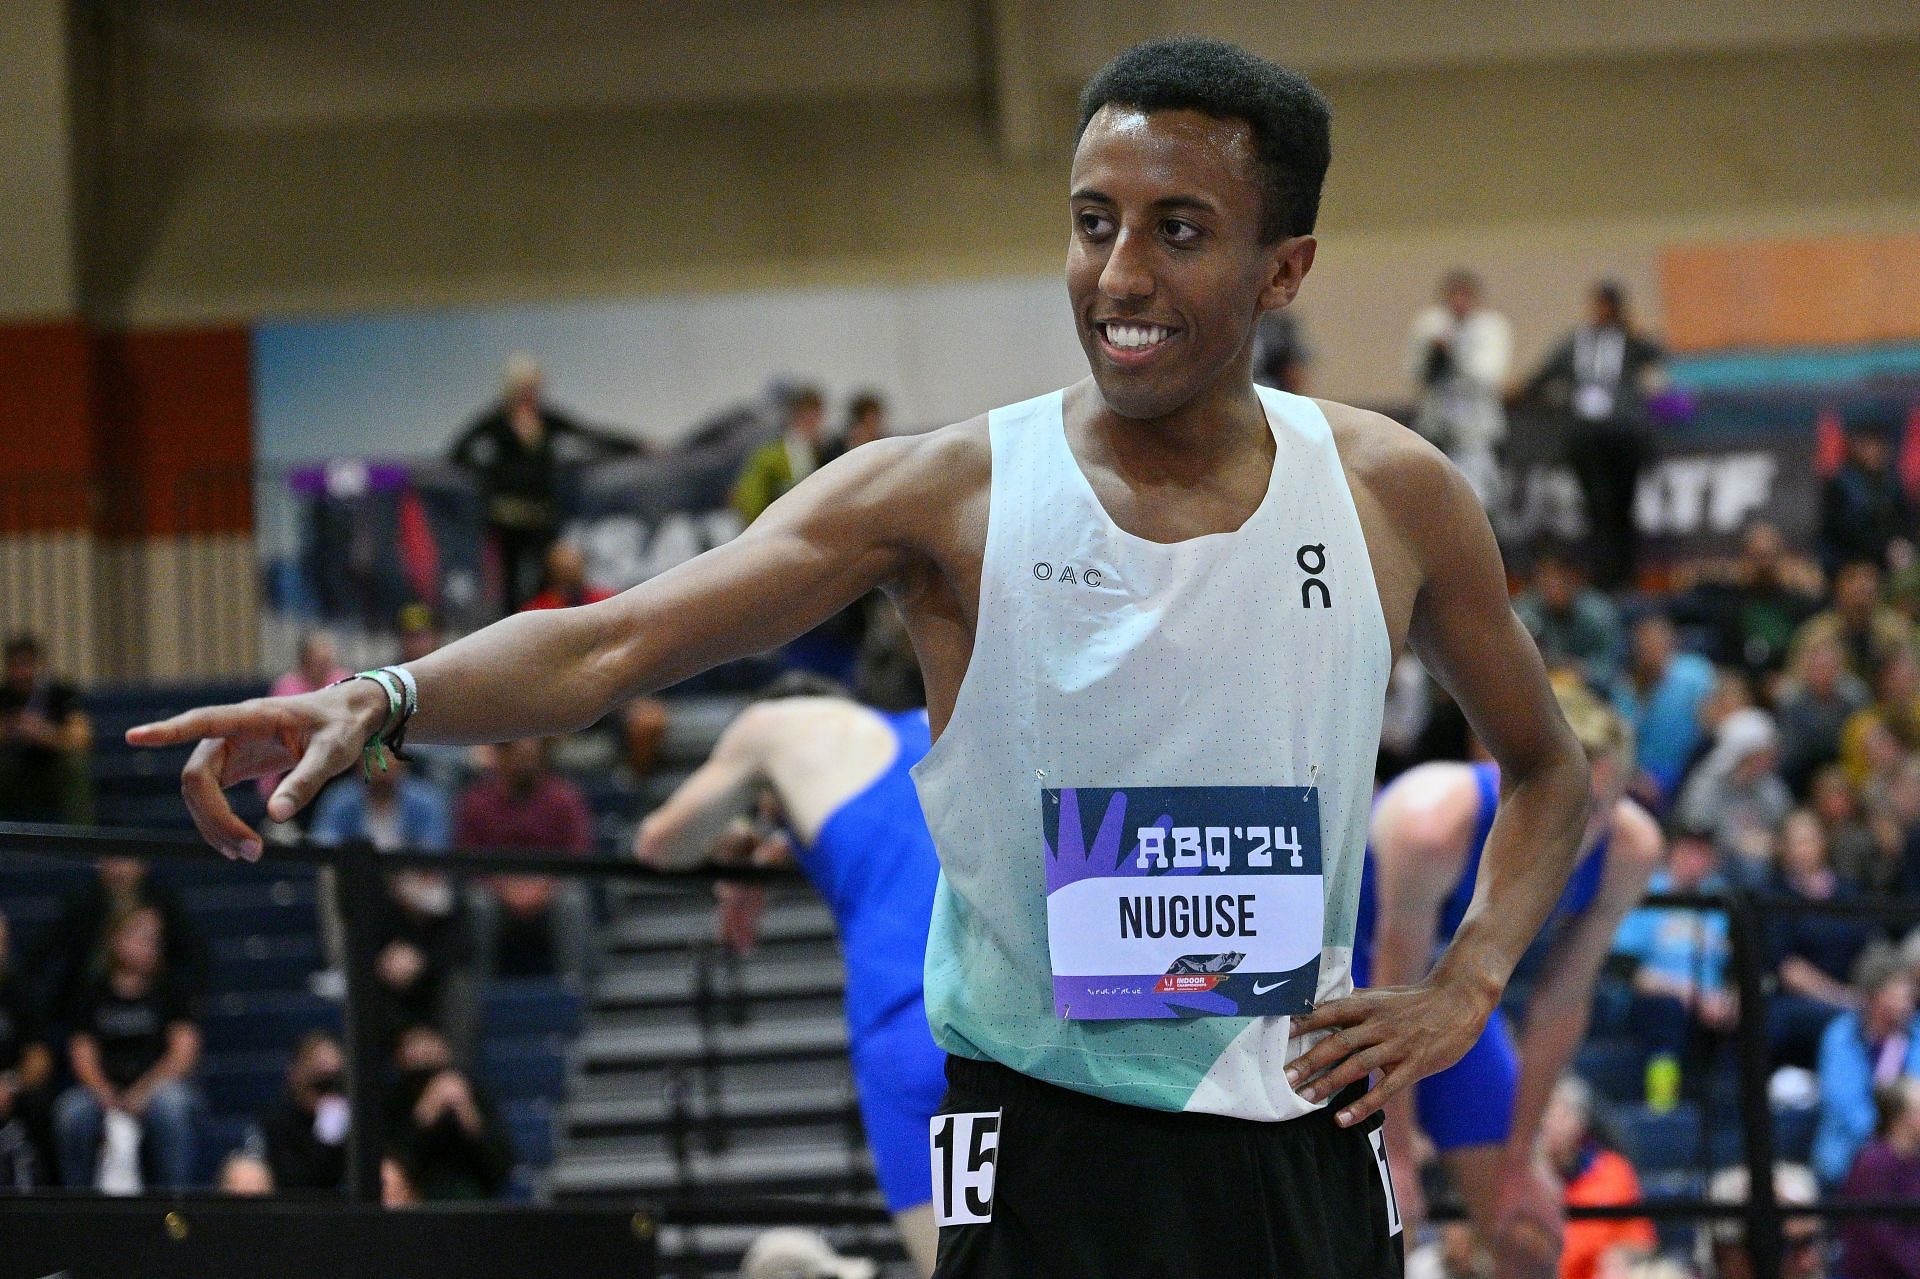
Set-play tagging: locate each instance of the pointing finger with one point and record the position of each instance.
(191, 726)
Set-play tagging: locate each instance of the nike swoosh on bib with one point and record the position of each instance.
(1258, 989)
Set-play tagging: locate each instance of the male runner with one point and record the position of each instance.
(1156, 612)
(1482, 1114)
(839, 774)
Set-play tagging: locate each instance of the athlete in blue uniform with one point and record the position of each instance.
(1481, 1116)
(837, 772)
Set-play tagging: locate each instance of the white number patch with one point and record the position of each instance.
(965, 1151)
(1379, 1141)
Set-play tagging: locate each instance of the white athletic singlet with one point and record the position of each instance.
(1151, 801)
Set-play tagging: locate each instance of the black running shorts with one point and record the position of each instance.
(1033, 1181)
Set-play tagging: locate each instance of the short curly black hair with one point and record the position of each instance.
(1291, 122)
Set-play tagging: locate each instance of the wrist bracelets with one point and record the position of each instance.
(403, 699)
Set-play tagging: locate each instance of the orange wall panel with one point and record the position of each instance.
(1836, 291)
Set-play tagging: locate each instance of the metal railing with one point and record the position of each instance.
(357, 889)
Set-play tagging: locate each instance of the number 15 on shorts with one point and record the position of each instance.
(965, 1149)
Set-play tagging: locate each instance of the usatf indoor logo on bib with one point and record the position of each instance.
(1185, 901)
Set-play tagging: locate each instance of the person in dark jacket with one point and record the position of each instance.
(1888, 1168)
(515, 451)
(1864, 512)
(305, 1133)
(1599, 377)
(442, 1127)
(74, 953)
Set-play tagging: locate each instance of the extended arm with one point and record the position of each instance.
(683, 831)
(848, 528)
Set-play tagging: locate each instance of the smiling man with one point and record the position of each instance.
(1155, 612)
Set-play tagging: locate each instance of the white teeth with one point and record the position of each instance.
(1132, 337)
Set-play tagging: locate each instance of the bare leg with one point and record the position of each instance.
(920, 1235)
(1524, 1245)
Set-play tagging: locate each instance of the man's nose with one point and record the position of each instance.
(1127, 273)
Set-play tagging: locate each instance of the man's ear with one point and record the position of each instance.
(1292, 259)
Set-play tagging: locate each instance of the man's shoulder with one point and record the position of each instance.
(1383, 453)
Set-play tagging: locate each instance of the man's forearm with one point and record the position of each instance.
(1530, 853)
(529, 675)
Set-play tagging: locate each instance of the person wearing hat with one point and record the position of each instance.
(1864, 512)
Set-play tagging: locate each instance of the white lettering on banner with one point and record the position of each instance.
(1705, 493)
(1130, 925)
(966, 1152)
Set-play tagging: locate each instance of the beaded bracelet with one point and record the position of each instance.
(403, 699)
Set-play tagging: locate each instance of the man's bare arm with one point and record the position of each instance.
(1464, 630)
(684, 830)
(848, 528)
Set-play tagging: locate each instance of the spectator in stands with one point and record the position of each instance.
(564, 583)
(866, 422)
(397, 1188)
(643, 726)
(528, 924)
(1281, 353)
(514, 451)
(1594, 1175)
(424, 958)
(444, 1129)
(1814, 954)
(1599, 377)
(134, 1048)
(1575, 626)
(1866, 629)
(1865, 513)
(1863, 1050)
(1773, 597)
(1459, 352)
(304, 1134)
(1818, 699)
(390, 809)
(317, 666)
(1854, 847)
(75, 952)
(1721, 1247)
(1888, 1169)
(26, 1069)
(779, 465)
(1896, 705)
(1661, 696)
(45, 740)
(245, 1175)
(1682, 1003)
(1737, 792)
(419, 635)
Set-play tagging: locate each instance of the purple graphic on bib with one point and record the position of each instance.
(1212, 896)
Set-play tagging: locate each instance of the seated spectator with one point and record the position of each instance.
(1814, 954)
(1682, 1002)
(134, 1048)
(74, 953)
(444, 1130)
(1896, 706)
(527, 924)
(1738, 794)
(1575, 626)
(1888, 1168)
(1721, 1248)
(1774, 596)
(397, 1188)
(304, 1135)
(1854, 849)
(1661, 696)
(1817, 699)
(45, 742)
(245, 1175)
(1594, 1175)
(1861, 1051)
(866, 422)
(1864, 510)
(779, 465)
(390, 809)
(564, 583)
(1732, 692)
(423, 962)
(1866, 630)
(26, 1069)
(643, 734)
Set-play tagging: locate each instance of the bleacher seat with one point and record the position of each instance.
(264, 961)
(1793, 1133)
(219, 1136)
(1612, 1009)
(266, 1020)
(524, 1067)
(529, 1124)
(524, 1006)
(1614, 1066)
(1658, 1142)
(243, 1083)
(254, 904)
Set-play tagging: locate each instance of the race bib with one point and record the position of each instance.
(1183, 901)
(966, 1154)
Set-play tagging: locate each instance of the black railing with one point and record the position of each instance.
(357, 889)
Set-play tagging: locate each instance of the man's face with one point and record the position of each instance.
(1557, 585)
(1165, 269)
(23, 668)
(1653, 644)
(1461, 299)
(1690, 862)
(807, 421)
(1856, 591)
(1868, 450)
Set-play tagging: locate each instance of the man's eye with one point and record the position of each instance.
(1093, 223)
(1181, 232)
